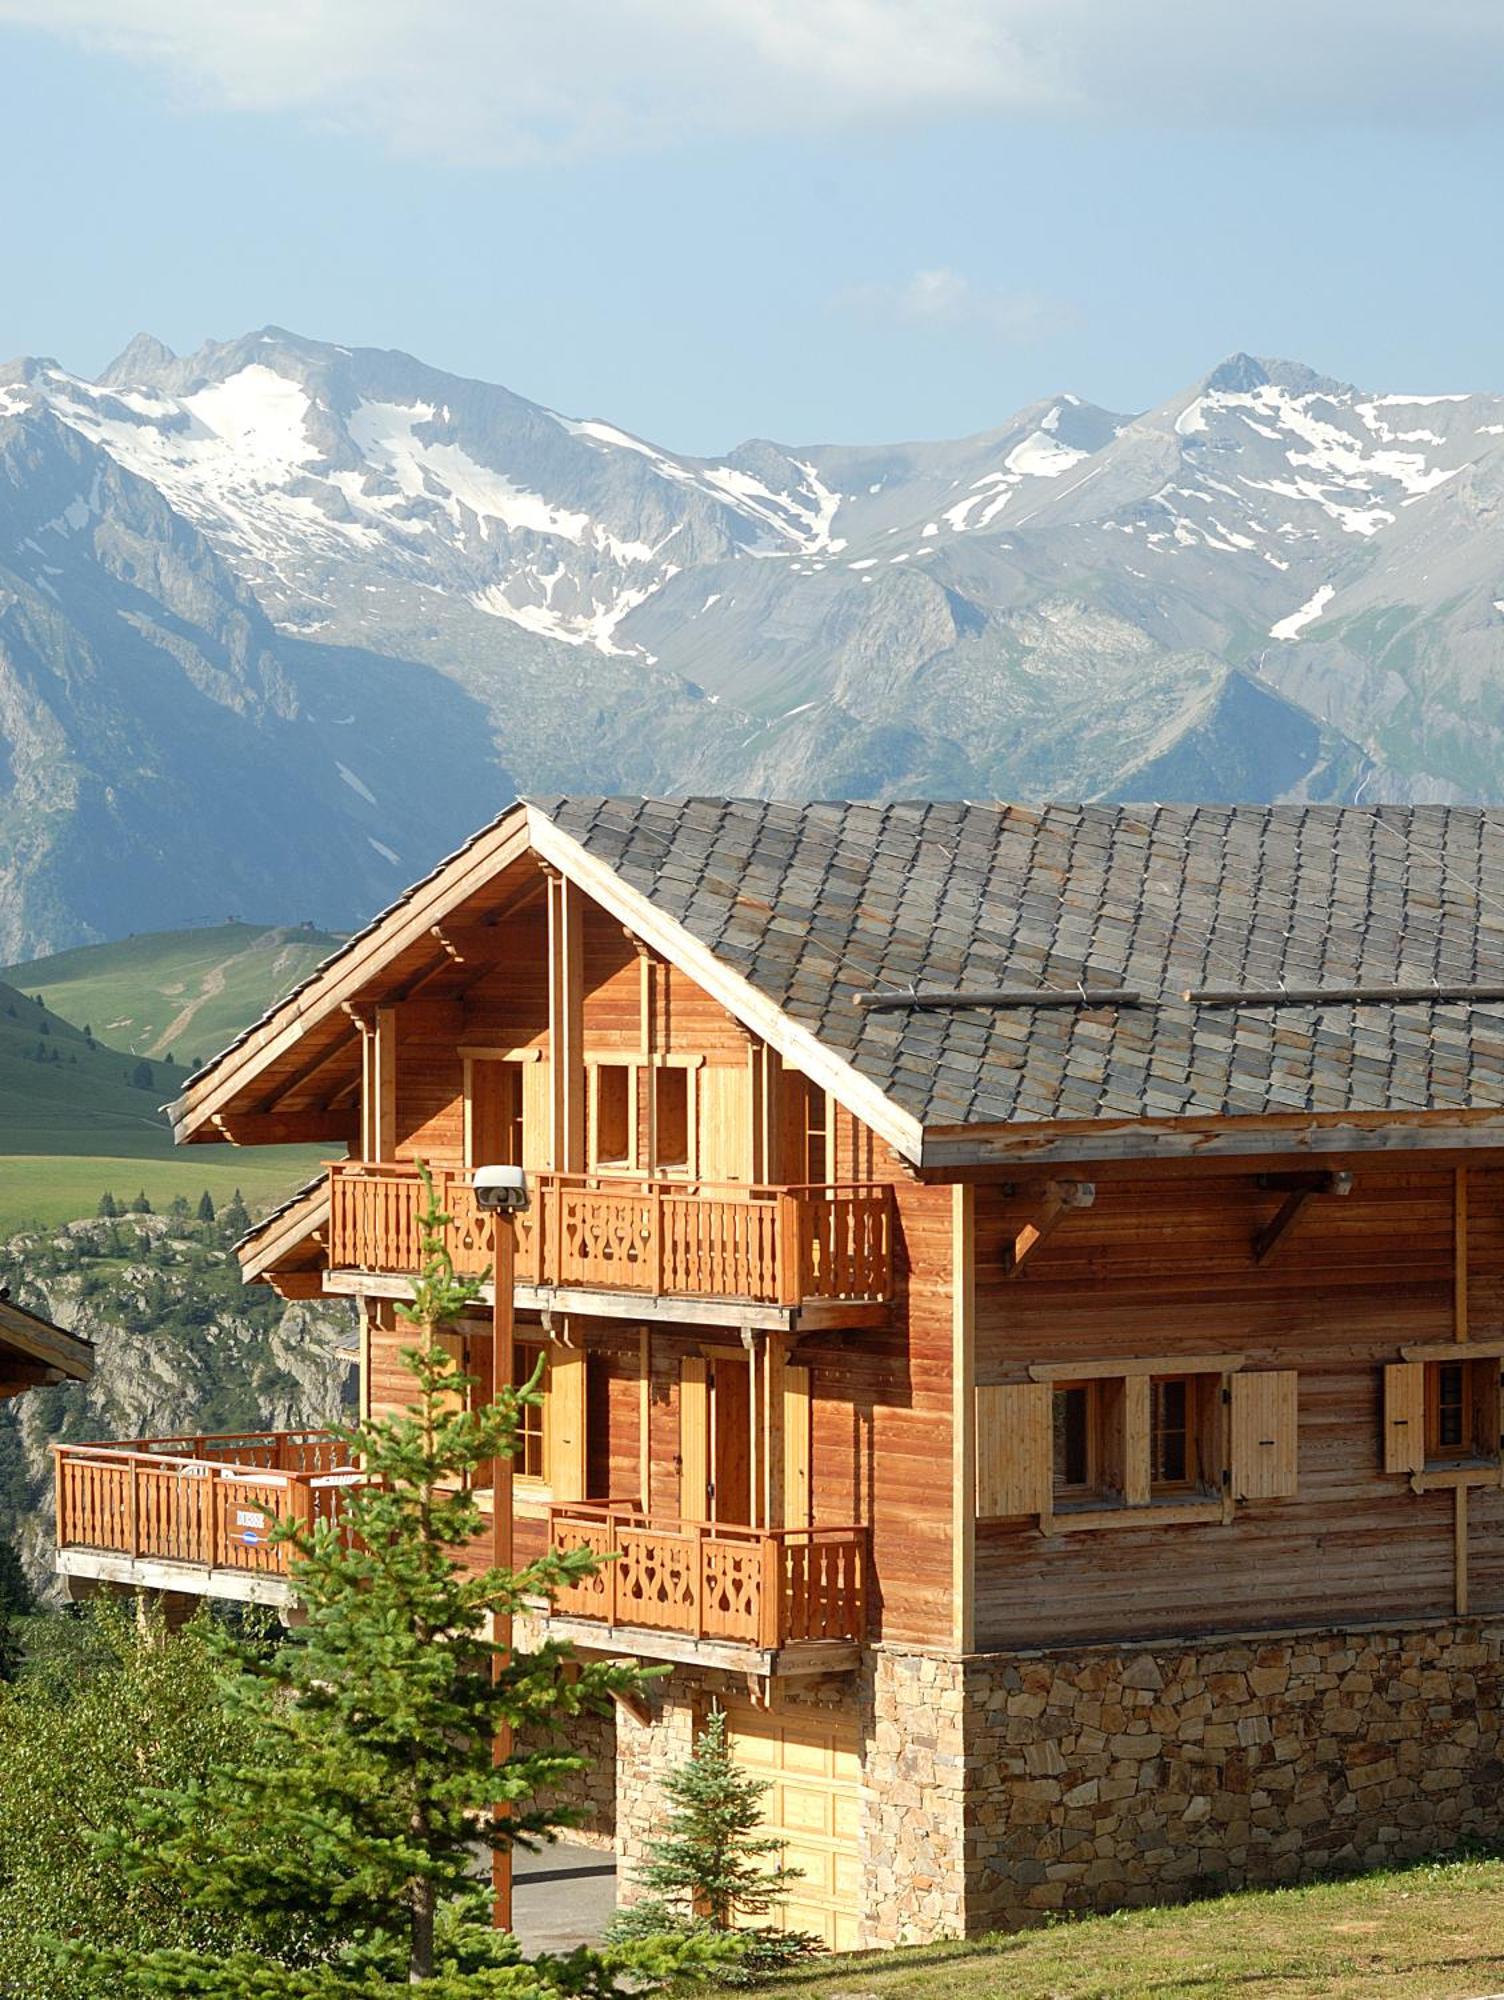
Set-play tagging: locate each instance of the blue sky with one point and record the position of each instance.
(843, 219)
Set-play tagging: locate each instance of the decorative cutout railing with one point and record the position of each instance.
(770, 1245)
(768, 1588)
(206, 1501)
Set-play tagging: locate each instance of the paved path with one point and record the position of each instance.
(562, 1896)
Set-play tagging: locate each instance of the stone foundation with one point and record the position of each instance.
(1096, 1780)
(590, 1792)
(915, 1776)
(1000, 1790)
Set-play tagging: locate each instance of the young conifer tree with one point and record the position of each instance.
(713, 1859)
(385, 1704)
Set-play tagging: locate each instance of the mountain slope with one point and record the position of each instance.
(164, 754)
(1271, 585)
(182, 992)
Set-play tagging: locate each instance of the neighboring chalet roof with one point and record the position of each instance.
(287, 1237)
(37, 1345)
(798, 916)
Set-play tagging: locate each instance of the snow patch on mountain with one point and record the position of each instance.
(1291, 627)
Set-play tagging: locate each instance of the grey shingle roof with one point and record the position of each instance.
(816, 904)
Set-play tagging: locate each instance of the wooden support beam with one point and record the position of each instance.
(1340, 996)
(1459, 1254)
(1060, 1198)
(297, 1128)
(566, 1006)
(1267, 1239)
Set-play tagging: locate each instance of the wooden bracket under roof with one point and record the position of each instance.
(1060, 1199)
(1297, 1190)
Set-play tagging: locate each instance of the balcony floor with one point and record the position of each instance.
(156, 1573)
(816, 1316)
(589, 1635)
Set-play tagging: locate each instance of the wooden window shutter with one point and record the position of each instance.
(1264, 1434)
(564, 1414)
(694, 1438)
(796, 1448)
(1015, 1459)
(1405, 1416)
(536, 1112)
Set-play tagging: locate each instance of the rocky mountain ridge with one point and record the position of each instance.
(388, 597)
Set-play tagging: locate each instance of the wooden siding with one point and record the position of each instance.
(1163, 1265)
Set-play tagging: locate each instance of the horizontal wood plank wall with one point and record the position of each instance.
(430, 1123)
(613, 988)
(507, 1007)
(1163, 1265)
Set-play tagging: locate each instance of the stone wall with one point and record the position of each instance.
(915, 1776)
(1096, 1780)
(592, 1791)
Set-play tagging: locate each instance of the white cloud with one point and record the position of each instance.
(498, 81)
(945, 298)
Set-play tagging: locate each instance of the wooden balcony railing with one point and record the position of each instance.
(208, 1502)
(770, 1245)
(763, 1587)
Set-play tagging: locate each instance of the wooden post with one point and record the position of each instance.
(566, 1000)
(772, 1591)
(1460, 1333)
(503, 1372)
(963, 1282)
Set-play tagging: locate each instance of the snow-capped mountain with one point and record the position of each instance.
(1272, 585)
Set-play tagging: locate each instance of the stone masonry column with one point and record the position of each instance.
(913, 1831)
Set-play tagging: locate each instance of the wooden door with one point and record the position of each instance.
(730, 1453)
(494, 1123)
(715, 1439)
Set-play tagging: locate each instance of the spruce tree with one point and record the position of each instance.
(206, 1206)
(108, 1206)
(384, 1706)
(713, 1859)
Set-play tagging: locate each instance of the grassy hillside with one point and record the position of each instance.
(78, 1116)
(180, 993)
(1429, 1932)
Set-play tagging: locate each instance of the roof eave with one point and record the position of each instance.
(754, 1010)
(952, 1149)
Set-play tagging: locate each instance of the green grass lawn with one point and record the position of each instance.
(1432, 1932)
(77, 1118)
(184, 993)
(47, 1189)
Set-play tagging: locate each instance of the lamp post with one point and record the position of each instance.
(502, 1193)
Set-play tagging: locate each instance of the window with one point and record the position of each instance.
(1075, 1418)
(671, 1119)
(816, 1144)
(1101, 1448)
(530, 1460)
(614, 1104)
(1461, 1411)
(1172, 1437)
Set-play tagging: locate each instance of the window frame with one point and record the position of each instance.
(1089, 1490)
(1479, 1385)
(533, 1424)
(629, 1072)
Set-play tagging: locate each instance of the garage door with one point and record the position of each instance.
(813, 1769)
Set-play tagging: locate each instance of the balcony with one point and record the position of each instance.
(760, 1600)
(193, 1513)
(786, 1256)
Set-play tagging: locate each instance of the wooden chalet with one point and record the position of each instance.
(1021, 1293)
(34, 1353)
